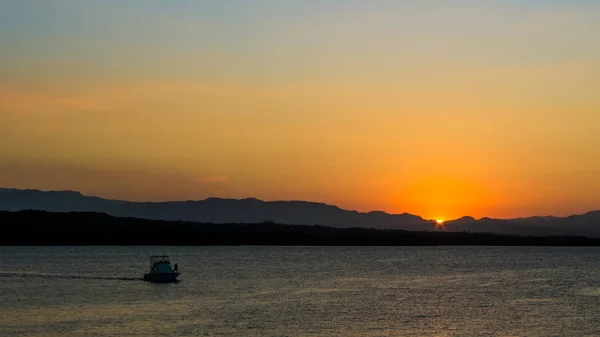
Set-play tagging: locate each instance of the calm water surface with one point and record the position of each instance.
(302, 291)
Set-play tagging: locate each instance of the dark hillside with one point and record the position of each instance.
(82, 228)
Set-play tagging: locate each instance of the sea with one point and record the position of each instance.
(302, 291)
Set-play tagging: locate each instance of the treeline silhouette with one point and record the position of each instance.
(81, 228)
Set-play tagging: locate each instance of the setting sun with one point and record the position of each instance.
(439, 225)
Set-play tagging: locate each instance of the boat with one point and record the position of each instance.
(161, 270)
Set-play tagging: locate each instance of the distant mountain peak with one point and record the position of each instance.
(36, 191)
(593, 213)
(467, 218)
(378, 213)
(462, 220)
(31, 190)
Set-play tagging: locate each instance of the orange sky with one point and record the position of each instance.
(484, 108)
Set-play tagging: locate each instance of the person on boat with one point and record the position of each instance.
(175, 268)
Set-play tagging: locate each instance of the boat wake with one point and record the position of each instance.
(47, 275)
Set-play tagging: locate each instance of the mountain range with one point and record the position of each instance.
(250, 210)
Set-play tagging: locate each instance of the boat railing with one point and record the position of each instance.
(154, 259)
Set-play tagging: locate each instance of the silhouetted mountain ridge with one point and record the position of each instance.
(462, 220)
(32, 228)
(252, 210)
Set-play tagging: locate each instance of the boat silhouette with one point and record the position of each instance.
(161, 270)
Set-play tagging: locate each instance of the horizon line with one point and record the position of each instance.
(305, 201)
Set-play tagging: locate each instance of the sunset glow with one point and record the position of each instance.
(439, 225)
(480, 108)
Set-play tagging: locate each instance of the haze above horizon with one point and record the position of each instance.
(435, 108)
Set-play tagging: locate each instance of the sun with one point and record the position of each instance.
(439, 225)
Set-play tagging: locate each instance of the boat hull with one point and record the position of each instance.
(161, 277)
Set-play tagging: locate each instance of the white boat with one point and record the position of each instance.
(161, 270)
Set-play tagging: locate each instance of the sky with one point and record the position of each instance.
(435, 108)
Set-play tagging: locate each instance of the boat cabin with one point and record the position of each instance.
(161, 270)
(160, 264)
